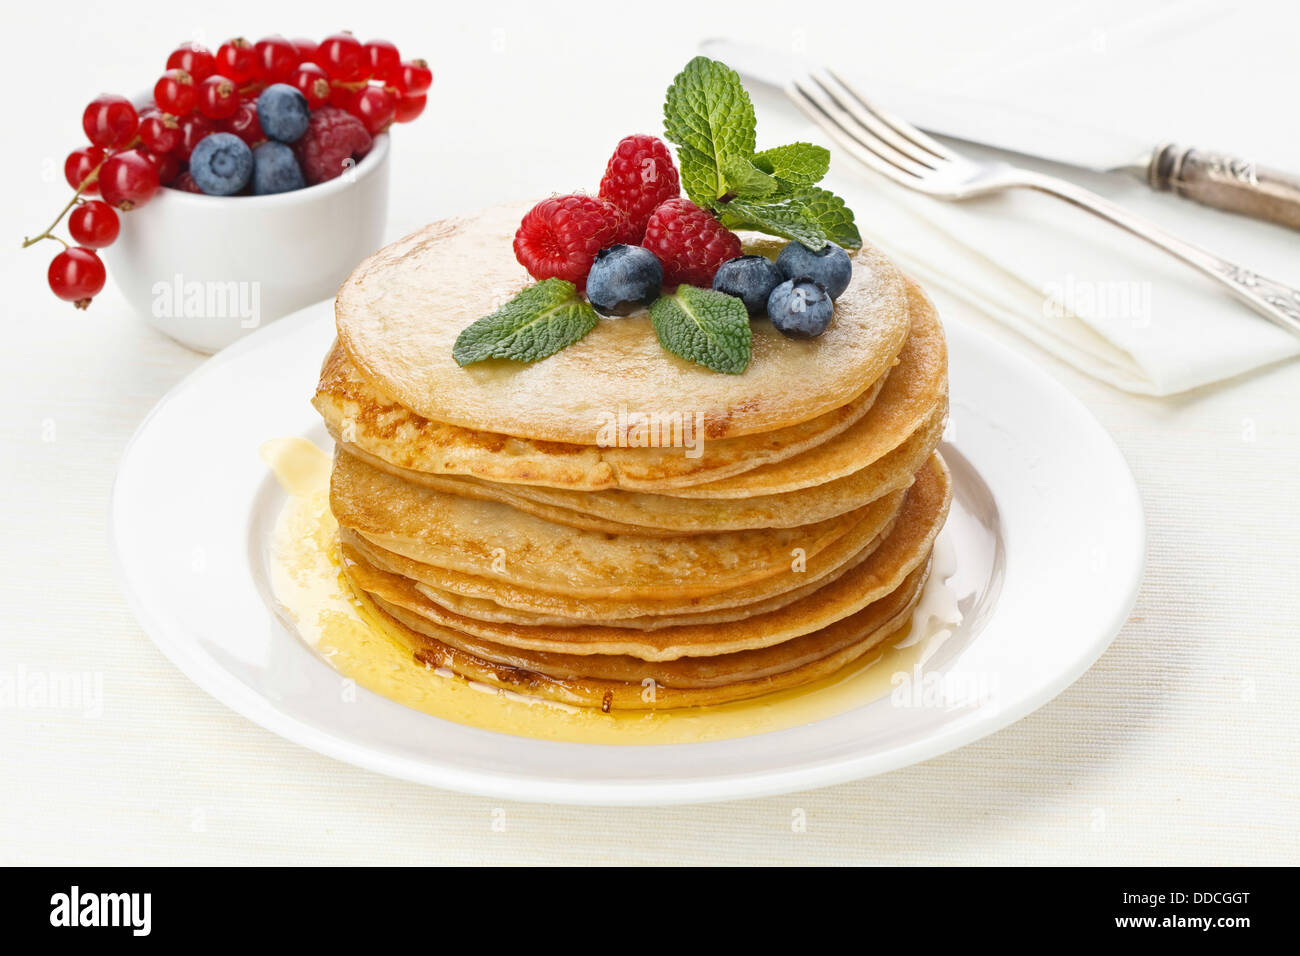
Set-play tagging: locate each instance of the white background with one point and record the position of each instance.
(1178, 746)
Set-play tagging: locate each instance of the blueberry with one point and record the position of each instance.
(275, 169)
(800, 308)
(622, 278)
(750, 279)
(283, 113)
(221, 164)
(830, 265)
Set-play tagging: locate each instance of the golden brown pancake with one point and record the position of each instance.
(685, 671)
(505, 601)
(400, 312)
(525, 526)
(916, 386)
(358, 415)
(871, 627)
(903, 550)
(633, 512)
(489, 539)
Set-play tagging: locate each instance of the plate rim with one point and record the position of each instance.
(244, 700)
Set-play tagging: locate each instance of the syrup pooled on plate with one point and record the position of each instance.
(344, 628)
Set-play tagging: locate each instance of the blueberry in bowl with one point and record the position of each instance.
(275, 169)
(283, 112)
(221, 164)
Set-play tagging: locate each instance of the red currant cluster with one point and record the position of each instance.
(133, 152)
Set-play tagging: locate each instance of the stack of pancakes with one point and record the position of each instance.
(616, 527)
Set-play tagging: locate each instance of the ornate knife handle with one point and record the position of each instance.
(1227, 182)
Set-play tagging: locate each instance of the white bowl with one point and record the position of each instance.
(207, 270)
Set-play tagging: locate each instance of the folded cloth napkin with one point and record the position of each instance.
(1085, 290)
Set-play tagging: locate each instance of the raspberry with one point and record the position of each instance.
(689, 242)
(639, 177)
(559, 237)
(333, 137)
(185, 183)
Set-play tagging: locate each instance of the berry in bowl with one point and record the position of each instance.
(246, 185)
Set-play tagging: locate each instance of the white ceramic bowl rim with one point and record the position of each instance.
(367, 164)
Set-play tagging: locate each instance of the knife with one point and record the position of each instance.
(1211, 178)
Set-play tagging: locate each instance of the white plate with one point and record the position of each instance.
(1046, 524)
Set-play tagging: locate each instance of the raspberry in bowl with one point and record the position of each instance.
(245, 185)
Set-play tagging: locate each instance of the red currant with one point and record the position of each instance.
(128, 179)
(413, 76)
(193, 128)
(306, 50)
(375, 107)
(384, 59)
(175, 92)
(76, 275)
(344, 97)
(218, 97)
(409, 107)
(194, 59)
(160, 133)
(276, 59)
(93, 224)
(109, 121)
(168, 166)
(237, 60)
(82, 163)
(244, 123)
(342, 57)
(311, 81)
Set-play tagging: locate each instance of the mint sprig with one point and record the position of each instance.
(708, 114)
(538, 322)
(706, 327)
(710, 118)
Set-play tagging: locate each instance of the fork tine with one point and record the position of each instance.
(899, 125)
(855, 139)
(864, 118)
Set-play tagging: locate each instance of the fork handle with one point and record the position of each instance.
(1227, 182)
(1275, 301)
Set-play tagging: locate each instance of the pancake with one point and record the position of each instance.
(490, 539)
(399, 313)
(903, 550)
(890, 617)
(505, 601)
(632, 512)
(361, 416)
(685, 672)
(914, 390)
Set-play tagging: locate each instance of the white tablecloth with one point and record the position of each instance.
(1178, 746)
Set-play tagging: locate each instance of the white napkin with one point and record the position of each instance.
(1086, 291)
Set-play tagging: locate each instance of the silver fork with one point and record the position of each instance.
(901, 152)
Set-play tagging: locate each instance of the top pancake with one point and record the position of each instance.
(400, 312)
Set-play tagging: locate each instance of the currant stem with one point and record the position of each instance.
(49, 231)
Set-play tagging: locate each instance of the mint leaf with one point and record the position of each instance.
(538, 322)
(708, 114)
(834, 218)
(706, 327)
(746, 180)
(800, 164)
(788, 218)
